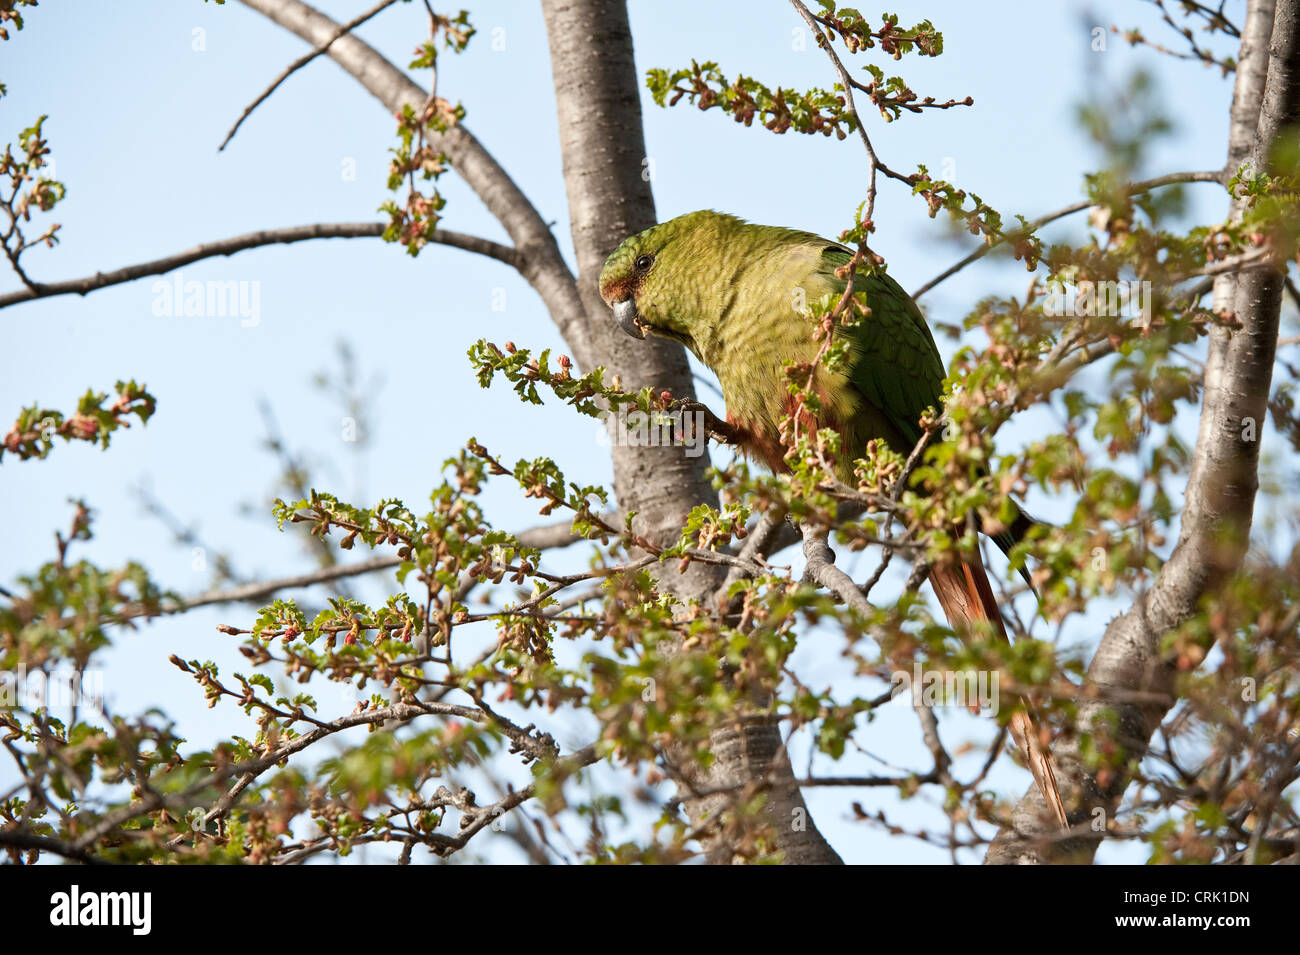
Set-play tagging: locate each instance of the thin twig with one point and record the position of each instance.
(299, 64)
(846, 82)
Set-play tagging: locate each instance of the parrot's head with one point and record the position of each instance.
(652, 279)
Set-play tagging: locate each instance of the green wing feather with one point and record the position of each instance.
(897, 368)
(895, 363)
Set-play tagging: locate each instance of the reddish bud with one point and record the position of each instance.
(82, 427)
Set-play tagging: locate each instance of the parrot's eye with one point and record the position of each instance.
(643, 262)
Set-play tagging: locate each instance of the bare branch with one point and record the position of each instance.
(21, 840)
(821, 569)
(262, 589)
(241, 243)
(1245, 262)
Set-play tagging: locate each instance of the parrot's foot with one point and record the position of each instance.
(714, 426)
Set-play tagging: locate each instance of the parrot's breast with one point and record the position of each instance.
(764, 325)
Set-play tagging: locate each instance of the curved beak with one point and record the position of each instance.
(627, 318)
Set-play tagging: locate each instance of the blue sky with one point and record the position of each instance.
(136, 115)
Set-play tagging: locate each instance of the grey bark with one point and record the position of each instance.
(1221, 485)
(603, 148)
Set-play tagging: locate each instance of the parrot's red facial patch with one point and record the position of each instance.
(618, 290)
(620, 295)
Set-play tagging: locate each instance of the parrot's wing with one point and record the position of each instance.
(895, 364)
(896, 367)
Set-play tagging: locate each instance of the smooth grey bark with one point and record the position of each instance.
(1221, 485)
(603, 148)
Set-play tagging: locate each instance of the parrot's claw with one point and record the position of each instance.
(714, 426)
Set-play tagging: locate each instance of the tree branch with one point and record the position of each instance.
(241, 243)
(19, 839)
(544, 537)
(1134, 188)
(821, 569)
(262, 589)
(541, 263)
(847, 84)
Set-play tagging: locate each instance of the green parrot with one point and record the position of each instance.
(736, 295)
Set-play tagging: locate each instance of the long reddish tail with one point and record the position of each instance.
(966, 595)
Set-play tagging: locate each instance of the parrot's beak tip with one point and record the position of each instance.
(628, 319)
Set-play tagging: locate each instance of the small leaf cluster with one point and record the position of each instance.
(33, 432)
